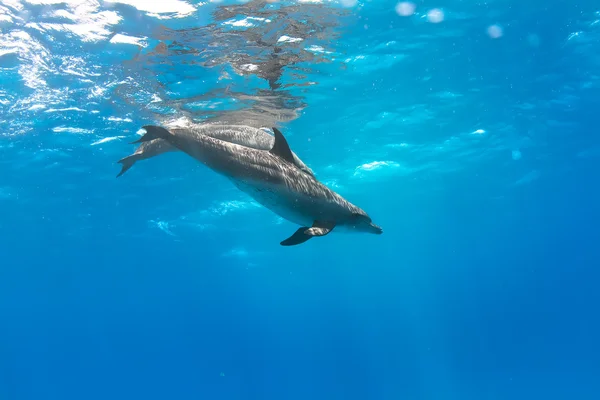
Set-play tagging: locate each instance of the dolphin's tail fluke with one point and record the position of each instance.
(153, 132)
(127, 163)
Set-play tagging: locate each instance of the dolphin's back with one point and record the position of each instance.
(244, 136)
(281, 186)
(238, 134)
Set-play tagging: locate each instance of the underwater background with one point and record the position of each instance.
(467, 129)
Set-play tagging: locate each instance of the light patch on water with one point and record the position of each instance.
(516, 155)
(447, 95)
(180, 122)
(106, 140)
(117, 119)
(528, 178)
(227, 207)
(375, 166)
(237, 252)
(98, 91)
(68, 129)
(246, 22)
(248, 67)
(526, 106)
(332, 184)
(119, 38)
(478, 132)
(52, 2)
(397, 145)
(575, 36)
(77, 66)
(288, 39)
(217, 210)
(368, 63)
(349, 3)
(162, 225)
(34, 57)
(89, 24)
(383, 118)
(51, 110)
(317, 49)
(380, 170)
(156, 8)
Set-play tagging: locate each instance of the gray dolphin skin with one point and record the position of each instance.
(143, 152)
(238, 134)
(272, 179)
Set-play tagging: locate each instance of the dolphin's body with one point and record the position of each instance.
(238, 134)
(273, 180)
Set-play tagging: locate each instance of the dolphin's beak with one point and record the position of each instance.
(376, 229)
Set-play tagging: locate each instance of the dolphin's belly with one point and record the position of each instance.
(282, 203)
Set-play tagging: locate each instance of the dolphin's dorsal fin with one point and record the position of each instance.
(281, 147)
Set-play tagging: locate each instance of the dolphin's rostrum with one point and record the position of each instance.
(274, 180)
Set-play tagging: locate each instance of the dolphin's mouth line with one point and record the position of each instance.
(378, 229)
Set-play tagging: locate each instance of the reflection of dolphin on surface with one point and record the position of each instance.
(238, 134)
(273, 179)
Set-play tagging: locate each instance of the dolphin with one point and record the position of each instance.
(238, 134)
(272, 178)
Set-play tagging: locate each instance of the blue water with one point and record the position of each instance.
(467, 130)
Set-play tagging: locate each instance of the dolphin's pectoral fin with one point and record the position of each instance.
(298, 237)
(281, 147)
(319, 228)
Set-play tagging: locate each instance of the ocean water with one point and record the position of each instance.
(468, 130)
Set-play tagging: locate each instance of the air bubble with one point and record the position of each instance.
(405, 8)
(495, 31)
(435, 16)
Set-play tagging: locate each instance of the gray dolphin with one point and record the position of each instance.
(273, 180)
(238, 134)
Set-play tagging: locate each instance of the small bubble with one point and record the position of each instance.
(405, 8)
(495, 31)
(435, 15)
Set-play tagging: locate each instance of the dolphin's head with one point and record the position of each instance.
(361, 222)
